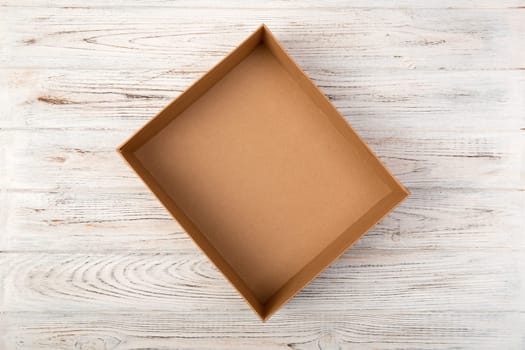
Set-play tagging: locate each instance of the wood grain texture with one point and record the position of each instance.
(64, 160)
(371, 99)
(108, 220)
(178, 301)
(149, 37)
(187, 282)
(364, 329)
(274, 4)
(90, 260)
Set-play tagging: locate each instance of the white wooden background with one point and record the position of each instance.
(90, 260)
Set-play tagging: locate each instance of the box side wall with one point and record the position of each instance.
(207, 248)
(322, 102)
(333, 252)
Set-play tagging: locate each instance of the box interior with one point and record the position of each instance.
(263, 172)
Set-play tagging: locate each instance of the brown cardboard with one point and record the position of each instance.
(263, 172)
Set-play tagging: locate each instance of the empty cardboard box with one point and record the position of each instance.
(263, 172)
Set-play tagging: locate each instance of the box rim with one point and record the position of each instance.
(398, 194)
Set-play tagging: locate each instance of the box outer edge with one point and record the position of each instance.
(263, 315)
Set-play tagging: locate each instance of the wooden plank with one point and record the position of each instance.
(148, 37)
(132, 221)
(361, 328)
(70, 160)
(371, 99)
(273, 4)
(389, 280)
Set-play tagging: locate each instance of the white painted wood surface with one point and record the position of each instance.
(90, 260)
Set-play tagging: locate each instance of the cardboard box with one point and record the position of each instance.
(263, 172)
